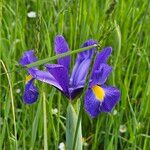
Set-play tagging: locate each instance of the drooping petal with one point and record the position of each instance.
(82, 64)
(100, 76)
(28, 57)
(91, 104)
(61, 46)
(44, 76)
(31, 93)
(60, 73)
(102, 57)
(112, 96)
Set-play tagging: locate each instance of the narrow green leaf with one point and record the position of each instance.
(71, 121)
(35, 126)
(43, 61)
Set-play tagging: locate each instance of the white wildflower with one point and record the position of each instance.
(54, 111)
(115, 112)
(61, 146)
(123, 128)
(18, 91)
(32, 14)
(16, 41)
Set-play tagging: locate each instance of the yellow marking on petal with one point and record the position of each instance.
(28, 78)
(98, 92)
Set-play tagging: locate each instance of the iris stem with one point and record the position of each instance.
(45, 122)
(82, 97)
(44, 61)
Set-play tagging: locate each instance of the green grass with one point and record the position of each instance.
(127, 30)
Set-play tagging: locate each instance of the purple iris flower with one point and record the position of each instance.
(98, 97)
(58, 74)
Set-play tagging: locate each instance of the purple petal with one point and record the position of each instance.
(102, 57)
(87, 53)
(91, 104)
(74, 92)
(60, 73)
(28, 57)
(61, 46)
(44, 76)
(112, 96)
(100, 76)
(82, 64)
(31, 93)
(81, 73)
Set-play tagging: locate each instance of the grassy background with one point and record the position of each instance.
(127, 30)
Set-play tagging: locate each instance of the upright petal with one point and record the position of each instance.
(87, 53)
(28, 57)
(102, 57)
(31, 93)
(44, 76)
(112, 96)
(91, 104)
(100, 76)
(60, 73)
(81, 73)
(82, 64)
(61, 46)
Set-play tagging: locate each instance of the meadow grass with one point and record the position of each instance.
(124, 25)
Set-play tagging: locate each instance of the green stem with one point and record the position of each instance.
(45, 122)
(82, 97)
(41, 62)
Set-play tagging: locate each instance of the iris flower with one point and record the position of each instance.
(57, 75)
(98, 97)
